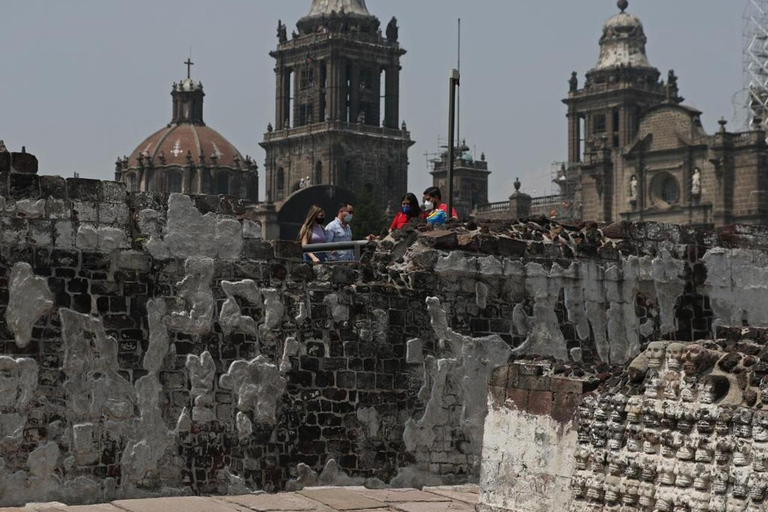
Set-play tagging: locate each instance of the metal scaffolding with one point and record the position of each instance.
(751, 102)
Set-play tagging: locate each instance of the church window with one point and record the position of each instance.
(669, 191)
(366, 78)
(599, 124)
(307, 80)
(306, 113)
(280, 183)
(222, 184)
(318, 173)
(174, 183)
(132, 183)
(665, 191)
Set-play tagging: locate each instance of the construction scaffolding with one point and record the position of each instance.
(751, 103)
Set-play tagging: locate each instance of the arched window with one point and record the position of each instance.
(222, 184)
(131, 183)
(280, 182)
(174, 183)
(318, 173)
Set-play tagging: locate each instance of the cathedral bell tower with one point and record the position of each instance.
(337, 111)
(604, 114)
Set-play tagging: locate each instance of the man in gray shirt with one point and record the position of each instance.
(340, 231)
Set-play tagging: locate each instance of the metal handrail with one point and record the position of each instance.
(356, 246)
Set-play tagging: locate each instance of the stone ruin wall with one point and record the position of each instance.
(681, 427)
(156, 345)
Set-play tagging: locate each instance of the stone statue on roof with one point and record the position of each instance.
(393, 31)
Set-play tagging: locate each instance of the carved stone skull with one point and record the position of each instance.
(674, 355)
(656, 353)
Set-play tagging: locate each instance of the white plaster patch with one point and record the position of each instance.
(258, 386)
(29, 298)
(31, 209)
(195, 290)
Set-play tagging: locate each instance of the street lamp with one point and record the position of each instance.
(455, 79)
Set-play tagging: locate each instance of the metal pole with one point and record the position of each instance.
(458, 100)
(454, 85)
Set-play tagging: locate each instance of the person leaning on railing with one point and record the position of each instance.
(312, 232)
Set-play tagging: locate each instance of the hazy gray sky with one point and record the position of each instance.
(84, 81)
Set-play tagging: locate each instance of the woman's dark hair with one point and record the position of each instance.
(414, 202)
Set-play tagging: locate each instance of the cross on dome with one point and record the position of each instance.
(189, 64)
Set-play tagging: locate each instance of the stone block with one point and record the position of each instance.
(445, 240)
(258, 250)
(87, 237)
(40, 233)
(31, 208)
(252, 230)
(24, 163)
(511, 247)
(519, 397)
(540, 403)
(499, 377)
(58, 209)
(497, 395)
(534, 383)
(530, 370)
(133, 260)
(564, 406)
(565, 385)
(24, 186)
(85, 211)
(84, 190)
(290, 250)
(114, 192)
(63, 234)
(513, 375)
(114, 213)
(5, 161)
(14, 231)
(53, 187)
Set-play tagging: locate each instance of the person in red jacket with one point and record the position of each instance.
(435, 210)
(409, 209)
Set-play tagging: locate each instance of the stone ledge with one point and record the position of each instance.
(314, 499)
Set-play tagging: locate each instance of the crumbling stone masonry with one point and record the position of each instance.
(682, 427)
(155, 345)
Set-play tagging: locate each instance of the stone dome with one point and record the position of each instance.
(326, 7)
(176, 142)
(623, 41)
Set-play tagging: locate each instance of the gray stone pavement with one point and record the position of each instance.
(314, 499)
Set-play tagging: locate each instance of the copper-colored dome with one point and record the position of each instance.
(176, 141)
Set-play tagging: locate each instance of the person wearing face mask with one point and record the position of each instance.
(340, 231)
(409, 209)
(435, 210)
(312, 232)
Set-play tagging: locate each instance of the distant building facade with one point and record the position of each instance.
(187, 156)
(470, 179)
(337, 109)
(635, 152)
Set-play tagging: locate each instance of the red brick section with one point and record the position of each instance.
(531, 388)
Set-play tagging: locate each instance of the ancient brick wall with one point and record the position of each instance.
(156, 345)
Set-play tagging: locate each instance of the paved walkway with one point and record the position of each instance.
(316, 499)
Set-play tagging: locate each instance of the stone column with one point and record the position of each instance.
(280, 101)
(354, 93)
(392, 101)
(574, 136)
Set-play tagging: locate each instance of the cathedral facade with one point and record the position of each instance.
(636, 152)
(337, 107)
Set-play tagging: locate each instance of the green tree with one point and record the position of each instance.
(370, 214)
